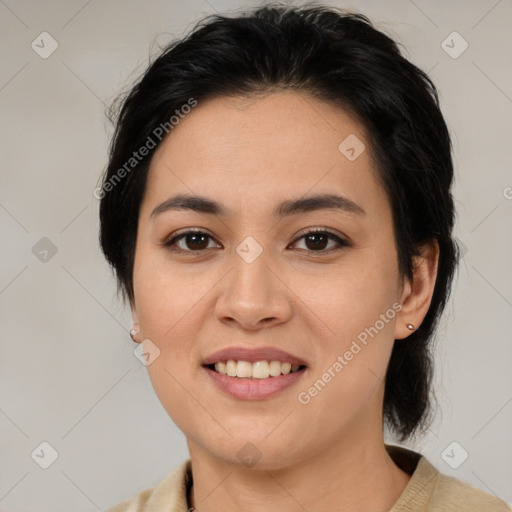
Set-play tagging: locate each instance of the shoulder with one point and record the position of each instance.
(170, 495)
(454, 495)
(430, 490)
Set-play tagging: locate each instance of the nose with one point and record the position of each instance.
(253, 295)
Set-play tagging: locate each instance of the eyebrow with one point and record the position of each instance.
(287, 208)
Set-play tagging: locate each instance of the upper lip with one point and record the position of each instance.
(252, 355)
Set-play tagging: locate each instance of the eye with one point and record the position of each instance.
(195, 241)
(317, 239)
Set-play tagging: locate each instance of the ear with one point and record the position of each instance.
(417, 293)
(135, 317)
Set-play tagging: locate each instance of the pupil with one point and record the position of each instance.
(316, 244)
(193, 239)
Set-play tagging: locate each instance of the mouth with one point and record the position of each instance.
(264, 369)
(254, 373)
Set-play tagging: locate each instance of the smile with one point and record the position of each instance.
(254, 370)
(252, 387)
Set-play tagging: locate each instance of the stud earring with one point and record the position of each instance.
(133, 333)
(410, 327)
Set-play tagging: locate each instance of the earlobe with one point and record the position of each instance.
(135, 325)
(417, 294)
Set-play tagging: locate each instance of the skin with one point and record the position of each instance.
(250, 154)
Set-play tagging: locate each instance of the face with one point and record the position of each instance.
(253, 278)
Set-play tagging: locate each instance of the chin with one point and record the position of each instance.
(256, 454)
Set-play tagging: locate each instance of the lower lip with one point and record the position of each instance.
(253, 389)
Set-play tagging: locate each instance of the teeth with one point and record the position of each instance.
(243, 369)
(256, 370)
(259, 370)
(221, 368)
(230, 368)
(275, 368)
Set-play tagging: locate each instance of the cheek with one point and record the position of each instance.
(359, 305)
(182, 401)
(354, 296)
(348, 385)
(167, 299)
(167, 308)
(168, 313)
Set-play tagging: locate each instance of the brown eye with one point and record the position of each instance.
(317, 240)
(191, 241)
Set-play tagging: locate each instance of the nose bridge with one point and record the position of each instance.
(253, 294)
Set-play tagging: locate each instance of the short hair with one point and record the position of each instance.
(337, 56)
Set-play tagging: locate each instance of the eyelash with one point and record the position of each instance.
(342, 242)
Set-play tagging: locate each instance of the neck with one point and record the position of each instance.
(351, 476)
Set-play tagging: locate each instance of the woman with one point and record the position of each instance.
(277, 210)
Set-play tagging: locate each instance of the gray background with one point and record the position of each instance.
(68, 373)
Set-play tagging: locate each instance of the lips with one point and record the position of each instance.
(254, 385)
(253, 389)
(253, 355)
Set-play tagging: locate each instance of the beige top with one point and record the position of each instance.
(427, 491)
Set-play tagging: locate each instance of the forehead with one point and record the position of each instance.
(249, 150)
